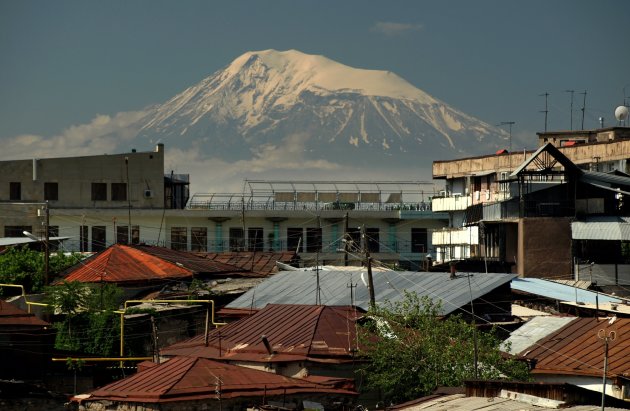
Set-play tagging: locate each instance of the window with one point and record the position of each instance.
(236, 239)
(372, 239)
(119, 191)
(294, 237)
(179, 238)
(17, 230)
(504, 186)
(199, 239)
(99, 191)
(15, 191)
(99, 238)
(122, 234)
(51, 191)
(313, 239)
(135, 234)
(83, 238)
(354, 238)
(418, 240)
(256, 241)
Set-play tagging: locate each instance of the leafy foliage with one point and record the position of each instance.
(411, 351)
(89, 325)
(21, 265)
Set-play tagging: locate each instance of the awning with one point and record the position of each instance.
(602, 228)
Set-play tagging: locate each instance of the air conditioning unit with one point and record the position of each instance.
(148, 193)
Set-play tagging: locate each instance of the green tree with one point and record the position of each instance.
(411, 350)
(89, 323)
(21, 265)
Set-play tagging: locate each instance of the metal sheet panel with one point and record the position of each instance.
(535, 329)
(560, 292)
(299, 287)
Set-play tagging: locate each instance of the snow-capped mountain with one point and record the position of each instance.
(270, 99)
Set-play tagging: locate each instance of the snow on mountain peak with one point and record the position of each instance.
(315, 72)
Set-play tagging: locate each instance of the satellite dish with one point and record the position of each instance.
(621, 113)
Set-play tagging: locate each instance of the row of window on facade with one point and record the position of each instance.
(118, 191)
(94, 238)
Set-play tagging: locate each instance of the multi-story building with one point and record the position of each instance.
(521, 208)
(105, 199)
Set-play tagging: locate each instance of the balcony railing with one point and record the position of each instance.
(237, 205)
(454, 203)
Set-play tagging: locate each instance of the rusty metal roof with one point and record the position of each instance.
(576, 349)
(186, 379)
(141, 263)
(256, 263)
(10, 315)
(294, 332)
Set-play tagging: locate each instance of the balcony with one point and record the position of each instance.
(450, 236)
(454, 203)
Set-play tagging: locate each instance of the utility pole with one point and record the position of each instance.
(368, 263)
(571, 91)
(345, 244)
(583, 108)
(546, 111)
(472, 311)
(128, 202)
(46, 244)
(156, 348)
(612, 335)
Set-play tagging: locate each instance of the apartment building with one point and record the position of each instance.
(522, 208)
(101, 200)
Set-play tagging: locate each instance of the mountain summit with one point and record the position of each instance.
(269, 99)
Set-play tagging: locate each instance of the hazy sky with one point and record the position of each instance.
(64, 62)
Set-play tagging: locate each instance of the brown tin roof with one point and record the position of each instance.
(142, 263)
(294, 332)
(259, 264)
(577, 349)
(10, 315)
(187, 379)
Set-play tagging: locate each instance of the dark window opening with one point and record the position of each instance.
(99, 238)
(122, 234)
(313, 240)
(256, 241)
(179, 238)
(15, 191)
(83, 238)
(237, 242)
(294, 239)
(99, 191)
(17, 230)
(418, 240)
(199, 239)
(51, 191)
(372, 239)
(119, 191)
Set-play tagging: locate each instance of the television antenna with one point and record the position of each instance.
(546, 111)
(571, 91)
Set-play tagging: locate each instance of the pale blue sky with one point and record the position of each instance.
(63, 62)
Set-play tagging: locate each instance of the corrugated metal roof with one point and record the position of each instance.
(140, 263)
(460, 402)
(533, 330)
(7, 241)
(294, 332)
(561, 292)
(576, 349)
(299, 287)
(609, 228)
(255, 263)
(186, 379)
(10, 315)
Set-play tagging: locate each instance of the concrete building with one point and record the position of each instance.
(100, 200)
(521, 208)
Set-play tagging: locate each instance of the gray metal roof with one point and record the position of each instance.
(561, 292)
(7, 241)
(299, 287)
(535, 329)
(602, 228)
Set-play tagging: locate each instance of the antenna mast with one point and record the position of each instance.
(571, 91)
(546, 111)
(583, 108)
